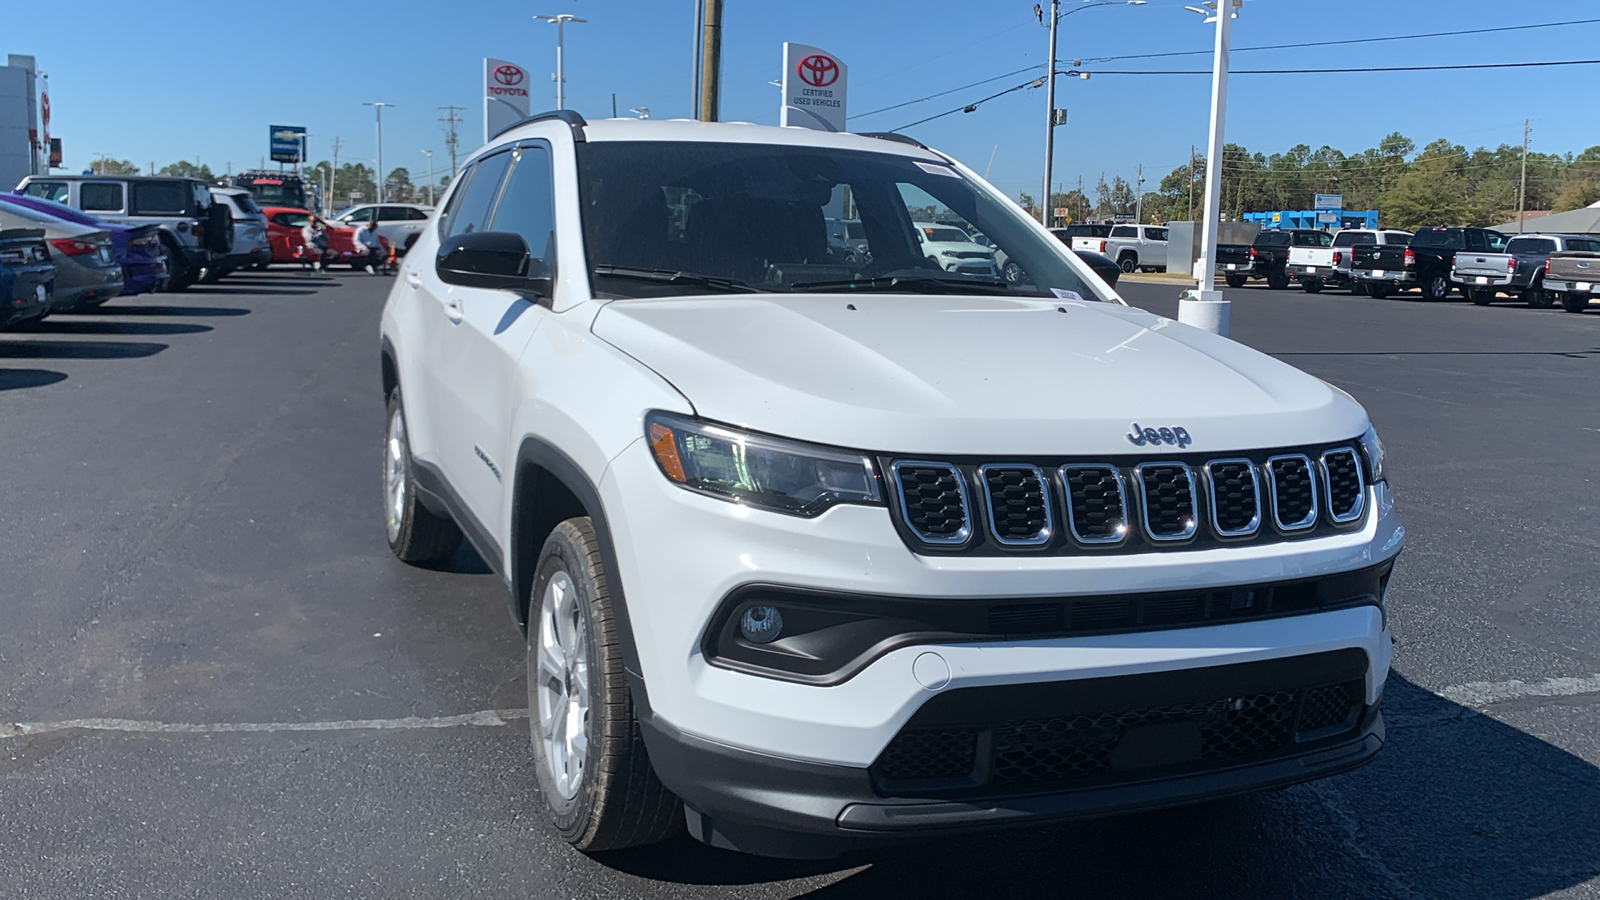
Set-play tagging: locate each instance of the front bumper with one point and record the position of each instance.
(781, 807)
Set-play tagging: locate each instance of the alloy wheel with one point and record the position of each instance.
(394, 474)
(559, 673)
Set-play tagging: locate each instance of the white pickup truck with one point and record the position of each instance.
(1316, 267)
(1142, 247)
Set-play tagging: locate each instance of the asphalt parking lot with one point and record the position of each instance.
(229, 688)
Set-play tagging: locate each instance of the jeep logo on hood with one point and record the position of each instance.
(1155, 437)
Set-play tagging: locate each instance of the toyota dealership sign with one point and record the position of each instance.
(505, 96)
(814, 83)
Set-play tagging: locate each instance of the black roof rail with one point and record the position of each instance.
(894, 136)
(571, 117)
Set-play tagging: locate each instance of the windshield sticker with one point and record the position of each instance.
(936, 169)
(1062, 294)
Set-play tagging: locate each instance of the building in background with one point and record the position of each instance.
(19, 121)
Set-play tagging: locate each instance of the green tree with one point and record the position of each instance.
(1434, 191)
(398, 187)
(185, 169)
(113, 167)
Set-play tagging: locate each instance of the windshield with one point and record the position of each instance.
(274, 191)
(757, 215)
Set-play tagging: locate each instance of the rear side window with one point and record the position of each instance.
(1155, 234)
(362, 216)
(160, 198)
(1124, 231)
(1496, 240)
(416, 215)
(1312, 239)
(246, 204)
(392, 214)
(48, 190)
(1396, 237)
(1273, 239)
(100, 196)
(1584, 245)
(527, 205)
(1354, 238)
(472, 209)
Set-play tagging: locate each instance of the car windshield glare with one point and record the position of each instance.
(766, 216)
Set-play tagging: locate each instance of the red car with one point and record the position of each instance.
(283, 233)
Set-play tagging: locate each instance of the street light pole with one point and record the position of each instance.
(1204, 307)
(560, 22)
(1056, 15)
(377, 109)
(429, 154)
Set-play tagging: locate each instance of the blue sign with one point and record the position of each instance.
(288, 143)
(1328, 201)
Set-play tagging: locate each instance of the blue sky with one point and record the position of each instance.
(172, 79)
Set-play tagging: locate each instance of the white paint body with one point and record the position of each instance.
(482, 370)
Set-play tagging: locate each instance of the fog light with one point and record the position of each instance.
(761, 624)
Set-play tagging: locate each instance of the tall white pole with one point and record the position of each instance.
(1205, 268)
(429, 154)
(377, 108)
(561, 69)
(1050, 113)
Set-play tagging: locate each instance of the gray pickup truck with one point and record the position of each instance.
(1572, 278)
(1518, 271)
(196, 231)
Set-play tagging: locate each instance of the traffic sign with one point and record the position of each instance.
(815, 83)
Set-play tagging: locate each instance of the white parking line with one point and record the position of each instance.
(1483, 693)
(483, 718)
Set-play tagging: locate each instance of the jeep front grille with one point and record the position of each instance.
(933, 499)
(1019, 505)
(1127, 505)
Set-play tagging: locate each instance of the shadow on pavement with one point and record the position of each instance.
(1457, 805)
(219, 291)
(465, 561)
(175, 311)
(55, 325)
(17, 379)
(78, 349)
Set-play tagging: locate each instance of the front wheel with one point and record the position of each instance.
(1574, 302)
(1311, 285)
(1236, 281)
(415, 534)
(594, 773)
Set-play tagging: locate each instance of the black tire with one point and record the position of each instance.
(1538, 298)
(615, 800)
(1435, 287)
(1278, 281)
(415, 534)
(1311, 285)
(1379, 291)
(1236, 281)
(179, 273)
(1127, 262)
(1012, 272)
(262, 266)
(1359, 288)
(1480, 296)
(1574, 302)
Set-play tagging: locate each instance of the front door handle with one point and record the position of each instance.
(413, 278)
(452, 308)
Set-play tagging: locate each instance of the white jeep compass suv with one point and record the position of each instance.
(814, 553)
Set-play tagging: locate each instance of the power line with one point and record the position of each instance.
(1295, 46)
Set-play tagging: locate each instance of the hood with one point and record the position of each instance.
(971, 375)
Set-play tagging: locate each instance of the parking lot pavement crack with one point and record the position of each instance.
(1478, 694)
(1349, 824)
(487, 718)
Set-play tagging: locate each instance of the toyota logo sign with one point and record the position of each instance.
(509, 75)
(818, 70)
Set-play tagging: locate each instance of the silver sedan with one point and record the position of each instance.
(87, 270)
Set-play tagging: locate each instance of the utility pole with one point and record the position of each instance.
(1138, 197)
(560, 76)
(451, 120)
(377, 110)
(710, 60)
(1191, 182)
(1522, 193)
(333, 174)
(1050, 111)
(429, 154)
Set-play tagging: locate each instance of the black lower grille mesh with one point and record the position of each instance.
(933, 501)
(1168, 500)
(1235, 504)
(1344, 483)
(1018, 506)
(1096, 503)
(1294, 491)
(1060, 752)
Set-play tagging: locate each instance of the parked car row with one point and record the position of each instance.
(1539, 269)
(27, 276)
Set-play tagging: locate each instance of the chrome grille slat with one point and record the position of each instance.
(1166, 493)
(1087, 488)
(933, 494)
(1231, 496)
(1018, 501)
(1292, 482)
(1344, 484)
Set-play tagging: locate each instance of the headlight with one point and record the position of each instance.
(1372, 449)
(783, 476)
(949, 253)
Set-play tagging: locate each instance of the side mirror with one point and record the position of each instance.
(491, 259)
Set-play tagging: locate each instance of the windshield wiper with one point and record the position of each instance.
(670, 276)
(919, 284)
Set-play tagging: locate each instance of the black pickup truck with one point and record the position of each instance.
(1424, 263)
(1267, 258)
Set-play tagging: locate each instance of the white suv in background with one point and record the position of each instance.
(954, 250)
(1142, 247)
(814, 554)
(398, 223)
